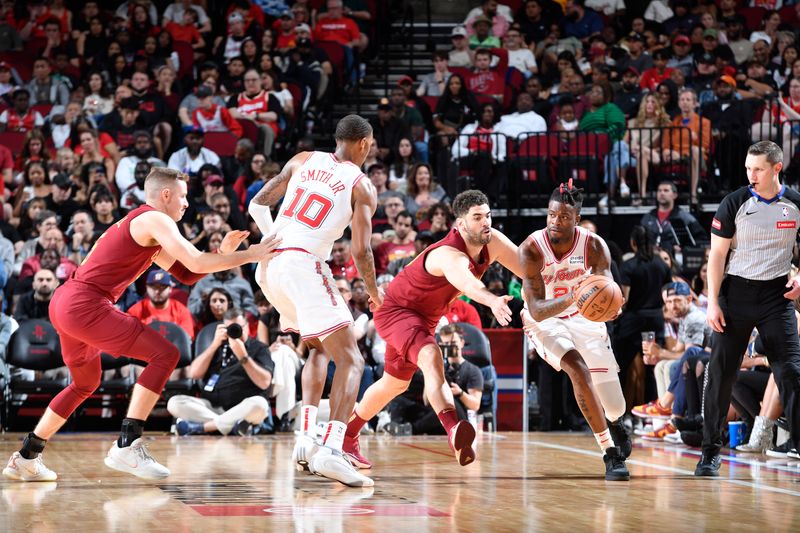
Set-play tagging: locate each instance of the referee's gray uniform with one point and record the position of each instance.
(763, 233)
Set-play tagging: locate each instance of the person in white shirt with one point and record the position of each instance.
(606, 7)
(658, 11)
(174, 13)
(193, 156)
(519, 57)
(525, 120)
(142, 150)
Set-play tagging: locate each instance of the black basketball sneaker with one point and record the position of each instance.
(621, 437)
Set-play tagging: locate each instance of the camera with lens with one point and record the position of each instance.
(451, 371)
(234, 331)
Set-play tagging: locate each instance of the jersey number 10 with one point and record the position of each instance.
(308, 209)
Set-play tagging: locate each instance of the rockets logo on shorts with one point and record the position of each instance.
(716, 224)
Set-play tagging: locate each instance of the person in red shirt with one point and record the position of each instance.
(83, 313)
(285, 31)
(335, 26)
(159, 306)
(652, 77)
(461, 311)
(342, 263)
(401, 245)
(187, 31)
(21, 118)
(213, 117)
(6, 170)
(488, 80)
(257, 105)
(412, 308)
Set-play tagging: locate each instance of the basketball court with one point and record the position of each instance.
(522, 482)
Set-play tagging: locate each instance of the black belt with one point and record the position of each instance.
(760, 283)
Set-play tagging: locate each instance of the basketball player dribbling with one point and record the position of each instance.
(415, 302)
(324, 193)
(83, 313)
(556, 260)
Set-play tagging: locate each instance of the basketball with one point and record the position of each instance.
(599, 299)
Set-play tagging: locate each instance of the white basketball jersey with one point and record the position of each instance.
(318, 204)
(559, 275)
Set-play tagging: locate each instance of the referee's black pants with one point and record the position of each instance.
(747, 304)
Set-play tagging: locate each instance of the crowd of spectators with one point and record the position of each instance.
(98, 97)
(720, 73)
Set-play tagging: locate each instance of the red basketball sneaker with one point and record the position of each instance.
(461, 437)
(352, 451)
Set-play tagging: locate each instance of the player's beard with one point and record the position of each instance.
(479, 238)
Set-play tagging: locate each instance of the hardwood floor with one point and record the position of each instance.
(533, 482)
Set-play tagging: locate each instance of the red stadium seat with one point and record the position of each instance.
(185, 56)
(13, 140)
(297, 96)
(220, 142)
(43, 109)
(431, 101)
(753, 17)
(250, 129)
(22, 61)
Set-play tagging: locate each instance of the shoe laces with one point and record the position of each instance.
(141, 451)
(38, 465)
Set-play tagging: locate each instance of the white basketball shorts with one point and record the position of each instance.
(554, 337)
(301, 287)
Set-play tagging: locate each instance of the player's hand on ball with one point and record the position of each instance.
(579, 281)
(232, 241)
(501, 310)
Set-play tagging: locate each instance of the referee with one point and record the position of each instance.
(758, 226)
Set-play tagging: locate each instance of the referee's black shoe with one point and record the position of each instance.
(621, 437)
(708, 465)
(615, 465)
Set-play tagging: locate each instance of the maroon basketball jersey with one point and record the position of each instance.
(428, 295)
(116, 260)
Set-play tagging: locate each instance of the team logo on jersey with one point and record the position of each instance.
(785, 212)
(564, 274)
(786, 224)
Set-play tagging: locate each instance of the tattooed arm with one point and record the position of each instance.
(274, 189)
(533, 289)
(599, 257)
(365, 201)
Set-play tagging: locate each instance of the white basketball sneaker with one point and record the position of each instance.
(21, 469)
(333, 465)
(135, 459)
(304, 450)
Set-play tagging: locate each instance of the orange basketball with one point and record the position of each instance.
(599, 299)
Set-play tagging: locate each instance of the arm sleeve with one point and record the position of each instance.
(724, 222)
(184, 275)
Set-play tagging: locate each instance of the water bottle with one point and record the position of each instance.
(533, 398)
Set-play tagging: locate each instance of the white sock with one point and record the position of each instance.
(334, 435)
(604, 440)
(308, 420)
